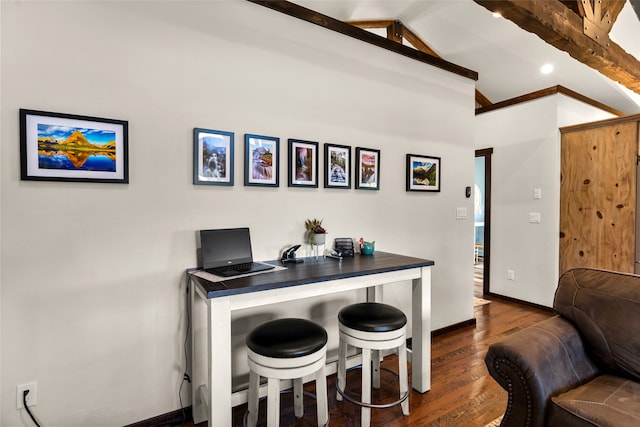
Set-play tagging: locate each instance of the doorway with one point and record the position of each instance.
(482, 222)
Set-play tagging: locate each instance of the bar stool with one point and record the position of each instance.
(286, 349)
(372, 326)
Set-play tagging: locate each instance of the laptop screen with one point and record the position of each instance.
(223, 247)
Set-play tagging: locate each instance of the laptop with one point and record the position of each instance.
(227, 252)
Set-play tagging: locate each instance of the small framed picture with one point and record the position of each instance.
(337, 166)
(69, 147)
(423, 173)
(303, 163)
(212, 157)
(261, 160)
(367, 169)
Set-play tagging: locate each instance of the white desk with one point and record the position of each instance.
(213, 302)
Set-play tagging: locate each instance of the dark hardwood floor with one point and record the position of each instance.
(462, 392)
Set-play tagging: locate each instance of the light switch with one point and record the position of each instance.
(537, 193)
(534, 217)
(461, 213)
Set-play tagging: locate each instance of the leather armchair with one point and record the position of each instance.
(581, 367)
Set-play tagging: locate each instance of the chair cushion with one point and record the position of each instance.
(372, 317)
(605, 308)
(604, 401)
(287, 338)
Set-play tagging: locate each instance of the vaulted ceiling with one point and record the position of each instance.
(593, 45)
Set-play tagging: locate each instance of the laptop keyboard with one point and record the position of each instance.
(237, 269)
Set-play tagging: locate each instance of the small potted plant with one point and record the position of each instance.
(315, 231)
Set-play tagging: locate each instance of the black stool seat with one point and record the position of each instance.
(287, 338)
(372, 317)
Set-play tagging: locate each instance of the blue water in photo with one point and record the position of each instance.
(96, 163)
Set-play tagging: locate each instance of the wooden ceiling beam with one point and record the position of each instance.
(378, 23)
(559, 26)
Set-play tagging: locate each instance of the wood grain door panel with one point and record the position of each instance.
(598, 197)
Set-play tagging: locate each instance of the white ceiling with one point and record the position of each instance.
(507, 58)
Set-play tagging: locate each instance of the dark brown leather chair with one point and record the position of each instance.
(581, 367)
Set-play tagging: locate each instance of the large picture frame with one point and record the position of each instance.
(423, 173)
(337, 166)
(303, 163)
(367, 169)
(213, 157)
(70, 147)
(261, 160)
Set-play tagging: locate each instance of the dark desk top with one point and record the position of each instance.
(311, 271)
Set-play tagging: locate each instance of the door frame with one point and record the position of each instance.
(486, 153)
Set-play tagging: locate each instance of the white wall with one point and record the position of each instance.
(526, 155)
(1, 395)
(92, 285)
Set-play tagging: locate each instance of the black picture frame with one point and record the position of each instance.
(73, 148)
(261, 160)
(213, 153)
(367, 169)
(303, 163)
(423, 173)
(337, 166)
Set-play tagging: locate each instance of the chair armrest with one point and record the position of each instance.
(536, 363)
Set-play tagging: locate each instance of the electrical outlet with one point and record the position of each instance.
(32, 397)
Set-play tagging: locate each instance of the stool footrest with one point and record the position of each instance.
(373, 405)
(287, 391)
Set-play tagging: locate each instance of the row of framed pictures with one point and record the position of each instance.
(214, 163)
(68, 147)
(214, 153)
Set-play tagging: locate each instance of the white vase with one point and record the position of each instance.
(318, 239)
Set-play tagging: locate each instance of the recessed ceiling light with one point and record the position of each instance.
(546, 69)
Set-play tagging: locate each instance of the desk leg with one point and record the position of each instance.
(210, 369)
(219, 378)
(421, 333)
(198, 369)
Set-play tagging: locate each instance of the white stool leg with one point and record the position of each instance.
(404, 376)
(298, 403)
(376, 369)
(342, 368)
(321, 396)
(253, 399)
(366, 387)
(273, 402)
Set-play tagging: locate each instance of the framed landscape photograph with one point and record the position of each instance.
(337, 169)
(261, 160)
(212, 157)
(69, 147)
(367, 169)
(303, 163)
(423, 173)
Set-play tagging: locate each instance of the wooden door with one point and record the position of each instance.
(598, 197)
